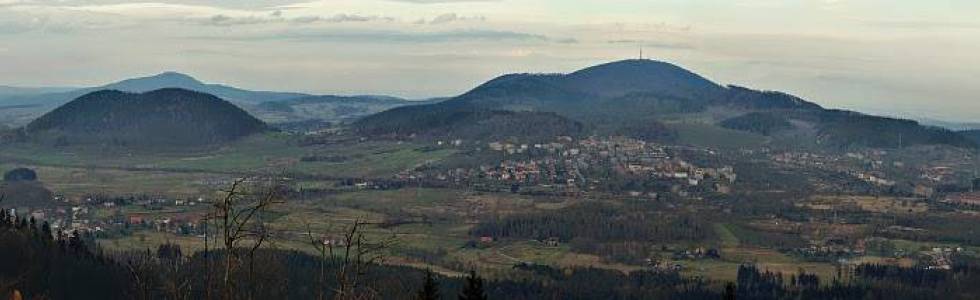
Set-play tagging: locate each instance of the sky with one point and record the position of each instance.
(905, 58)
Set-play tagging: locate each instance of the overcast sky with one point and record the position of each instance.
(897, 57)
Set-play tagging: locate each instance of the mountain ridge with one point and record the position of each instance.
(609, 97)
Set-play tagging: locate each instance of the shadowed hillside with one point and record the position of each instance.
(166, 117)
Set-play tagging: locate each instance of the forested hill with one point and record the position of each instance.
(972, 135)
(840, 128)
(654, 81)
(612, 97)
(165, 117)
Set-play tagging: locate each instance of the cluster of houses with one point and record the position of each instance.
(937, 174)
(566, 164)
(874, 166)
(875, 178)
(833, 247)
(940, 258)
(969, 199)
(88, 215)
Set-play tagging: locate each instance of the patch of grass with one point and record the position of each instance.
(76, 182)
(707, 135)
(375, 164)
(270, 153)
(145, 239)
(765, 239)
(728, 239)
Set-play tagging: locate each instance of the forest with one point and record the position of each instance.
(166, 117)
(614, 232)
(36, 263)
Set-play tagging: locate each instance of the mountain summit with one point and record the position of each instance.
(172, 79)
(640, 76)
(168, 79)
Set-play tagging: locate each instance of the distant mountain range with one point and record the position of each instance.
(973, 135)
(640, 98)
(11, 91)
(950, 124)
(155, 82)
(162, 118)
(20, 105)
(614, 97)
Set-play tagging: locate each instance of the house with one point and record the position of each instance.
(723, 188)
(924, 191)
(964, 198)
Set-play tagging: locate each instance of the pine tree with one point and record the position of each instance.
(474, 288)
(430, 288)
(730, 293)
(46, 231)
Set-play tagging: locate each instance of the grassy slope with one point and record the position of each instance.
(267, 153)
(707, 135)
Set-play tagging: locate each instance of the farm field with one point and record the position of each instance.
(263, 154)
(431, 228)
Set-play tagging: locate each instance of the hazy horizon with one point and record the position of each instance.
(902, 59)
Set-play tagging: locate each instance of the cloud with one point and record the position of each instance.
(653, 44)
(567, 41)
(920, 24)
(442, 1)
(388, 36)
(235, 4)
(622, 41)
(224, 20)
(5, 3)
(341, 18)
(451, 17)
(445, 18)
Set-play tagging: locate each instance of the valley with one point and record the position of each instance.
(629, 168)
(422, 195)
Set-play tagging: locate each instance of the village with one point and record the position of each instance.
(569, 166)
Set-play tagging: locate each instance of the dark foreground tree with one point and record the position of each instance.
(473, 289)
(430, 288)
(729, 292)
